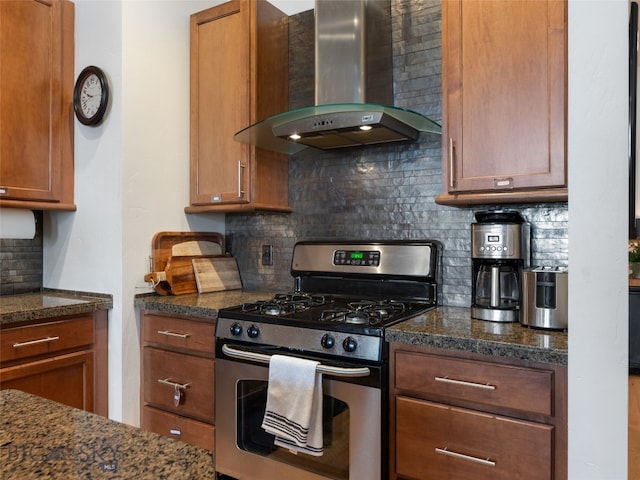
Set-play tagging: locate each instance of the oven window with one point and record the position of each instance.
(334, 462)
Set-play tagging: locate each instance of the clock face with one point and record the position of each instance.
(91, 96)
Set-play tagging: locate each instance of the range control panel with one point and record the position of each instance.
(357, 257)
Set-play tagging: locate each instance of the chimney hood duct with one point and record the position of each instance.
(353, 87)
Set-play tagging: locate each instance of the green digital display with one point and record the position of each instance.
(356, 255)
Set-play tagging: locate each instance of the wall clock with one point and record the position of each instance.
(91, 96)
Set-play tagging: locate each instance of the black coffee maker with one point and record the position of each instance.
(500, 250)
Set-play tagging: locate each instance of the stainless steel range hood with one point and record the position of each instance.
(353, 87)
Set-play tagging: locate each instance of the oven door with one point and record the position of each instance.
(351, 427)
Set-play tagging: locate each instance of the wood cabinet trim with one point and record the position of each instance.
(56, 191)
(485, 184)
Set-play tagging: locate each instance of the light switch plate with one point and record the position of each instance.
(267, 254)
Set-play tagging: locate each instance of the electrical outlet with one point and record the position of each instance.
(267, 254)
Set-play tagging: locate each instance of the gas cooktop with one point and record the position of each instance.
(346, 294)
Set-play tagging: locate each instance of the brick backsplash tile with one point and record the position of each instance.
(381, 192)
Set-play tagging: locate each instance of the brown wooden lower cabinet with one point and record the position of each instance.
(459, 415)
(63, 359)
(177, 383)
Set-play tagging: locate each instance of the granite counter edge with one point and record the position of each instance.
(495, 349)
(88, 303)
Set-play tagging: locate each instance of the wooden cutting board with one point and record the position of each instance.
(216, 274)
(164, 244)
(171, 259)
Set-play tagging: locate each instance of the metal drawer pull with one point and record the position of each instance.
(325, 369)
(485, 386)
(173, 334)
(175, 431)
(35, 342)
(462, 456)
(166, 381)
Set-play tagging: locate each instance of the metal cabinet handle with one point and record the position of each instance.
(485, 386)
(451, 165)
(240, 171)
(166, 381)
(173, 334)
(462, 456)
(175, 432)
(326, 369)
(35, 342)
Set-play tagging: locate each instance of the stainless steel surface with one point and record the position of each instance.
(494, 315)
(495, 286)
(462, 456)
(324, 369)
(405, 259)
(35, 342)
(500, 250)
(364, 403)
(307, 339)
(501, 241)
(464, 383)
(353, 57)
(353, 68)
(545, 298)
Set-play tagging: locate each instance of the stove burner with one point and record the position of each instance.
(285, 304)
(364, 312)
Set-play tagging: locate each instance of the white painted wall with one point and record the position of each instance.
(131, 182)
(131, 173)
(598, 206)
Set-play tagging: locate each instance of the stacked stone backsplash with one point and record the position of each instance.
(21, 263)
(384, 192)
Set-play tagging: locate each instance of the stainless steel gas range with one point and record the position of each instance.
(345, 295)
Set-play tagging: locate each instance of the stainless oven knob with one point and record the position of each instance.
(349, 345)
(253, 331)
(236, 329)
(327, 341)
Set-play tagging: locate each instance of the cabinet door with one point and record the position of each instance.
(436, 441)
(66, 379)
(36, 82)
(220, 104)
(504, 84)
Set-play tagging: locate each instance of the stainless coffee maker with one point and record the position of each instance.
(500, 250)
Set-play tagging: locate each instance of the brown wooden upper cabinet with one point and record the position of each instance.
(36, 114)
(239, 75)
(504, 70)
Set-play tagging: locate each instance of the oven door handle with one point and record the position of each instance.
(324, 369)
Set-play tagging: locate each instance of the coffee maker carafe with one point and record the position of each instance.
(500, 250)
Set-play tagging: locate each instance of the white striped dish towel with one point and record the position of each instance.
(294, 404)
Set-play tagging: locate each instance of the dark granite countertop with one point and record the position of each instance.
(27, 307)
(453, 328)
(44, 439)
(202, 305)
(444, 327)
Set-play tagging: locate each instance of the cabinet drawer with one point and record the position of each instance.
(179, 333)
(518, 388)
(46, 338)
(168, 372)
(174, 426)
(436, 441)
